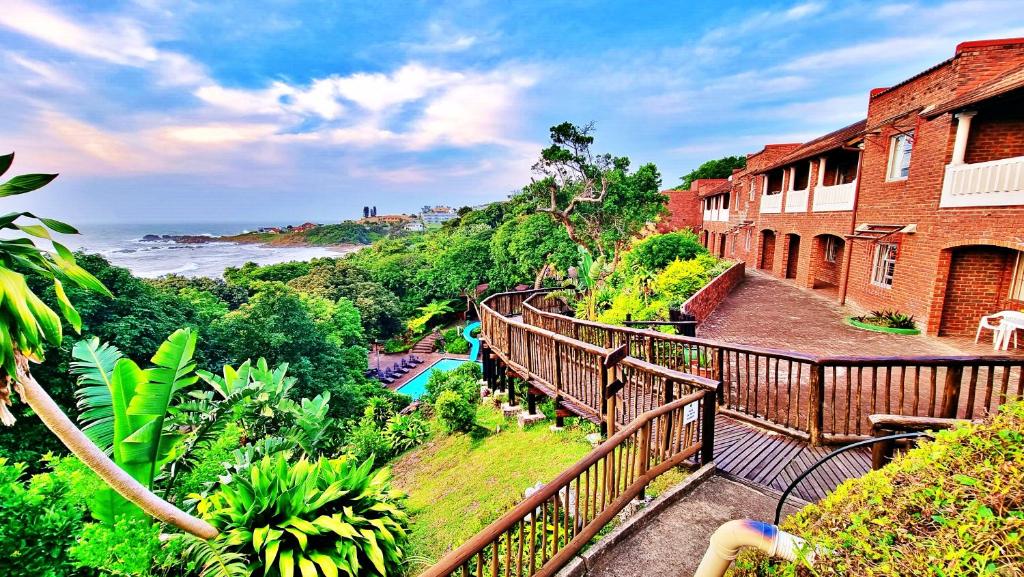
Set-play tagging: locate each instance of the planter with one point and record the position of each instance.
(878, 329)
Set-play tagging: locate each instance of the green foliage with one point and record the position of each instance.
(379, 308)
(720, 168)
(343, 233)
(251, 272)
(523, 245)
(38, 518)
(208, 306)
(454, 412)
(406, 431)
(125, 547)
(321, 517)
(948, 507)
(367, 440)
(125, 408)
(454, 343)
(889, 318)
(428, 312)
(681, 279)
(462, 380)
(655, 252)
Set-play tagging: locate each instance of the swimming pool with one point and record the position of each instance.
(418, 385)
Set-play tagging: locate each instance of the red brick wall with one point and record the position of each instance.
(824, 272)
(684, 211)
(977, 285)
(997, 132)
(706, 300)
(922, 268)
(766, 251)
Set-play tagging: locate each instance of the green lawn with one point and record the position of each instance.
(457, 484)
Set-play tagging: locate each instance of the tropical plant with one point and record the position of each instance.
(454, 412)
(462, 380)
(125, 408)
(27, 324)
(309, 422)
(268, 387)
(125, 547)
(427, 313)
(321, 517)
(406, 431)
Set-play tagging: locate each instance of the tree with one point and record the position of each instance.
(28, 324)
(523, 247)
(720, 168)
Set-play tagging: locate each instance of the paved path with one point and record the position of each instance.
(769, 312)
(673, 542)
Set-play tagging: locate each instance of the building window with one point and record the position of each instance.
(1017, 285)
(899, 155)
(831, 249)
(885, 264)
(725, 201)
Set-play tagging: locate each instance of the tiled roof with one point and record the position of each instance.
(821, 144)
(1006, 83)
(724, 186)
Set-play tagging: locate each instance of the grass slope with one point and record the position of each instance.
(457, 484)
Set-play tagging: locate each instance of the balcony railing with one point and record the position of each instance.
(835, 197)
(716, 215)
(993, 183)
(796, 201)
(771, 203)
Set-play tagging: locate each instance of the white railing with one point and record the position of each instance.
(771, 203)
(796, 201)
(835, 197)
(716, 215)
(993, 183)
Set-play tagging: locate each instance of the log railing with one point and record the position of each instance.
(545, 531)
(818, 398)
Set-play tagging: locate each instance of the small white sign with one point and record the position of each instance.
(690, 412)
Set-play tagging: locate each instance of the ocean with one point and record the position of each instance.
(121, 244)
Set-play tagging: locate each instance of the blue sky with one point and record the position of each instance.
(170, 111)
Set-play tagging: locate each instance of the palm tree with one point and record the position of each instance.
(27, 324)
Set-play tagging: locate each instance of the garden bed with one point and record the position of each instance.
(853, 322)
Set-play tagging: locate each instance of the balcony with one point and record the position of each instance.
(993, 183)
(771, 203)
(716, 215)
(834, 198)
(796, 201)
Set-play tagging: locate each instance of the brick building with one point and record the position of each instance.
(919, 207)
(684, 211)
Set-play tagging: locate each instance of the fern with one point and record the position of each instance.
(93, 365)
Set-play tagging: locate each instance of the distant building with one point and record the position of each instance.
(414, 226)
(387, 219)
(305, 226)
(438, 215)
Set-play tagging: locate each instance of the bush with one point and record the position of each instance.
(454, 412)
(952, 506)
(459, 346)
(39, 521)
(392, 346)
(406, 431)
(681, 279)
(658, 251)
(292, 518)
(889, 318)
(367, 440)
(462, 380)
(128, 547)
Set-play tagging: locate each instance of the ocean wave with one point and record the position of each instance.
(187, 267)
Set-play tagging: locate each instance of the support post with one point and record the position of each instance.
(951, 393)
(606, 420)
(719, 373)
(963, 132)
(668, 395)
(707, 425)
(816, 410)
(560, 412)
(531, 401)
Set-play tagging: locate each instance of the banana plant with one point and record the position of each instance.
(127, 407)
(27, 325)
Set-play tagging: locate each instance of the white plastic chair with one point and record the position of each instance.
(999, 336)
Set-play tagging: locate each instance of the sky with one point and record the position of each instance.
(292, 110)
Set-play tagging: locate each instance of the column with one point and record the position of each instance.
(963, 131)
(821, 171)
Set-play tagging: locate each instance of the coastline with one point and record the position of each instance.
(254, 239)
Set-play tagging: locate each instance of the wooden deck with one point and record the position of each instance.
(773, 461)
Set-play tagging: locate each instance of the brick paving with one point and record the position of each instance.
(769, 312)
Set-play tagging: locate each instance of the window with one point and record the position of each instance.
(885, 264)
(725, 201)
(831, 249)
(899, 155)
(1017, 285)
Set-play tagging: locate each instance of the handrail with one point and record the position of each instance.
(609, 476)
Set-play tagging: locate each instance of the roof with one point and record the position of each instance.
(821, 144)
(718, 188)
(1007, 83)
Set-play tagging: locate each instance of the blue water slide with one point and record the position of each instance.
(474, 343)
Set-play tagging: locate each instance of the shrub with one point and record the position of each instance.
(392, 346)
(454, 412)
(406, 431)
(38, 522)
(681, 279)
(329, 517)
(127, 547)
(889, 318)
(949, 507)
(462, 379)
(658, 251)
(459, 346)
(367, 440)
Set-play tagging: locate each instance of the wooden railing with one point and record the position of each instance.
(817, 398)
(546, 530)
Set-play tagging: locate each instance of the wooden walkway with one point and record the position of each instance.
(772, 460)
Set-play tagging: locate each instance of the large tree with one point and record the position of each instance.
(719, 168)
(595, 197)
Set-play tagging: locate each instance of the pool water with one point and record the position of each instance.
(418, 385)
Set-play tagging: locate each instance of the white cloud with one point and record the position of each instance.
(44, 73)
